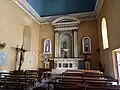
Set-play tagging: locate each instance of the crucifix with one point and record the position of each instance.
(22, 53)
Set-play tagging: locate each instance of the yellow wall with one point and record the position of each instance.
(12, 22)
(110, 10)
(46, 32)
(89, 29)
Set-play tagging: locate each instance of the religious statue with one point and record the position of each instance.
(47, 46)
(87, 62)
(65, 45)
(47, 51)
(86, 45)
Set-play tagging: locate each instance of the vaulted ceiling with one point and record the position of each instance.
(49, 10)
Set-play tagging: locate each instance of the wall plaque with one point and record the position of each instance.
(3, 58)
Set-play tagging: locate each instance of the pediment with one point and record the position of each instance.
(65, 20)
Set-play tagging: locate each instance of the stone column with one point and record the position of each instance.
(56, 44)
(76, 47)
(75, 43)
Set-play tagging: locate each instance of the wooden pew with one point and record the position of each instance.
(66, 86)
(17, 80)
(91, 80)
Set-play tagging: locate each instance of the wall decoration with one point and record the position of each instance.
(2, 45)
(86, 44)
(3, 58)
(47, 46)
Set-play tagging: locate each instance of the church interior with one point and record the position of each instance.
(59, 44)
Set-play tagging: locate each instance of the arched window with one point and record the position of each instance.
(27, 37)
(104, 34)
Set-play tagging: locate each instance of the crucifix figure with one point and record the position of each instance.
(22, 52)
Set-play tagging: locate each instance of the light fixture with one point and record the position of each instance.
(2, 45)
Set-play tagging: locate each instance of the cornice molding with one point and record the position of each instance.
(98, 7)
(66, 23)
(25, 6)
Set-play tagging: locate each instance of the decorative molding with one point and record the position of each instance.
(65, 18)
(62, 28)
(66, 23)
(79, 16)
(98, 7)
(24, 5)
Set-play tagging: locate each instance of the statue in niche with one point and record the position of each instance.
(65, 44)
(86, 45)
(47, 46)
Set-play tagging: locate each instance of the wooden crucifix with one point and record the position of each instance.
(21, 59)
(22, 53)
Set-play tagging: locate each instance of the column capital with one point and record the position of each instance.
(75, 30)
(56, 31)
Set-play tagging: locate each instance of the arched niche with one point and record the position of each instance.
(86, 45)
(27, 37)
(47, 46)
(69, 25)
(65, 44)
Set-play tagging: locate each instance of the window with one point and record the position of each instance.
(27, 37)
(104, 34)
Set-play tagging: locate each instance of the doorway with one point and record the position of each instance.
(116, 62)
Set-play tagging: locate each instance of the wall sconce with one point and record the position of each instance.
(2, 45)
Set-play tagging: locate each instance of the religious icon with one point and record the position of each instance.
(65, 44)
(22, 53)
(47, 46)
(45, 58)
(86, 43)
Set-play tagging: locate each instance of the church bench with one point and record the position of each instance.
(44, 69)
(81, 74)
(65, 85)
(77, 86)
(84, 80)
(88, 81)
(110, 87)
(18, 80)
(21, 78)
(15, 85)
